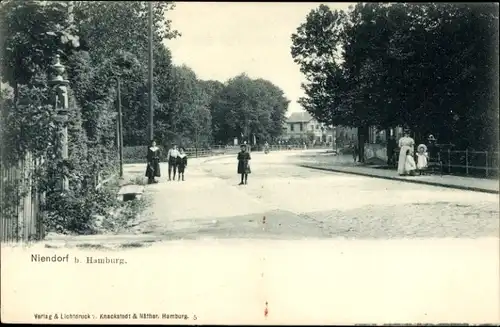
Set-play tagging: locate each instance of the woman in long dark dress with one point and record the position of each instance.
(153, 163)
(243, 164)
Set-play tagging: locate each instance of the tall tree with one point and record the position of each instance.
(245, 108)
(112, 28)
(184, 114)
(423, 66)
(316, 47)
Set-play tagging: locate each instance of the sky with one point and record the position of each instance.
(221, 40)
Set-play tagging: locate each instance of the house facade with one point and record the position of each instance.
(301, 125)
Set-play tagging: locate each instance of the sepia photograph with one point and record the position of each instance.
(249, 162)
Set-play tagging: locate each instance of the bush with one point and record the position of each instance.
(69, 213)
(30, 126)
(97, 212)
(134, 154)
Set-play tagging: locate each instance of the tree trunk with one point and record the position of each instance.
(388, 145)
(16, 93)
(362, 137)
(361, 142)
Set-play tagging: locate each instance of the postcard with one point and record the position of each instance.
(196, 163)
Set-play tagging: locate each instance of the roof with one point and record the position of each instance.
(299, 117)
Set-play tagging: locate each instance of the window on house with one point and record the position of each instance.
(301, 127)
(311, 127)
(291, 127)
(317, 126)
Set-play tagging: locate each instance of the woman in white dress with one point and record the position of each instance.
(405, 143)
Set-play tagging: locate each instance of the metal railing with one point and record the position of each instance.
(283, 147)
(470, 163)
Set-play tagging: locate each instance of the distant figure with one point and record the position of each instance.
(422, 158)
(391, 150)
(406, 143)
(172, 155)
(153, 163)
(243, 164)
(354, 149)
(181, 163)
(266, 148)
(432, 148)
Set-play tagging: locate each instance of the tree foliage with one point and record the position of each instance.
(98, 43)
(246, 107)
(429, 67)
(107, 26)
(183, 114)
(32, 33)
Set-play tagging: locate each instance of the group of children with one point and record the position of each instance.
(177, 163)
(422, 160)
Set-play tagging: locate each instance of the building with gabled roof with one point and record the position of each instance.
(302, 125)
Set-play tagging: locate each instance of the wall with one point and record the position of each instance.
(375, 154)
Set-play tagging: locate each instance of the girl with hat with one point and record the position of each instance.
(422, 158)
(243, 164)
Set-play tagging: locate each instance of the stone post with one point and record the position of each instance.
(60, 93)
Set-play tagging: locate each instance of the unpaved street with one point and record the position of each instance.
(302, 203)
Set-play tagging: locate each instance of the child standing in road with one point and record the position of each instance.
(243, 164)
(172, 160)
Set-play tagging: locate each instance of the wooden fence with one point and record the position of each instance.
(20, 202)
(137, 154)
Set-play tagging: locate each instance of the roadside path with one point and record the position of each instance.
(343, 164)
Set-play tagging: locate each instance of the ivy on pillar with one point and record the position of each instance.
(60, 95)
